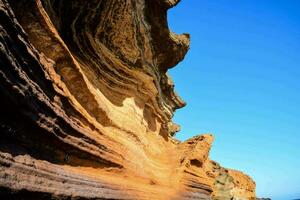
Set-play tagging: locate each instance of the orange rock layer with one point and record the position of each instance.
(86, 106)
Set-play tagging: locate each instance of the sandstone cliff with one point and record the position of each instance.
(86, 106)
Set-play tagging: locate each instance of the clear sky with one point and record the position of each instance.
(241, 82)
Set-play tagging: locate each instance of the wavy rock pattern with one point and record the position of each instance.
(86, 106)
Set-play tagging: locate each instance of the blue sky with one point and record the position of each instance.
(241, 82)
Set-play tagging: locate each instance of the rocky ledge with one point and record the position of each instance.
(86, 106)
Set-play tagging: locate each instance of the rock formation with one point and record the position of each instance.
(86, 106)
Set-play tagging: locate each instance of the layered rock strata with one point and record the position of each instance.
(86, 106)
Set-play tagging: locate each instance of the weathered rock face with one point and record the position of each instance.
(86, 106)
(231, 184)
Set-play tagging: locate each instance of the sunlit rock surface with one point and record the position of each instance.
(86, 106)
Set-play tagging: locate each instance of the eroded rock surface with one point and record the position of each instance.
(86, 106)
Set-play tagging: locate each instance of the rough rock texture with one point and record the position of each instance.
(86, 106)
(231, 184)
